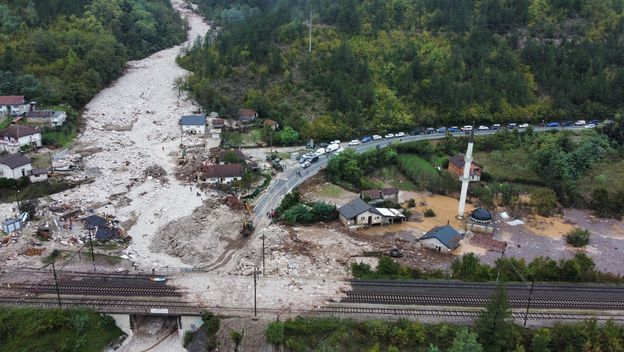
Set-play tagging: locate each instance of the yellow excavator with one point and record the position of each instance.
(248, 227)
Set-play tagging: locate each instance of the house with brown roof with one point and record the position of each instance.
(247, 116)
(456, 167)
(373, 196)
(14, 166)
(270, 123)
(13, 138)
(218, 123)
(48, 118)
(221, 174)
(13, 105)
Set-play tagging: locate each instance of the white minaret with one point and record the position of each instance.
(466, 177)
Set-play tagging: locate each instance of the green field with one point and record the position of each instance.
(33, 190)
(330, 190)
(34, 330)
(250, 138)
(606, 174)
(392, 176)
(508, 166)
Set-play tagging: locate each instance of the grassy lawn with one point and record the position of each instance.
(6, 122)
(34, 190)
(507, 165)
(250, 138)
(391, 175)
(62, 138)
(606, 174)
(330, 190)
(30, 329)
(414, 164)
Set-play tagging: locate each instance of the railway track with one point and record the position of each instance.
(404, 299)
(419, 284)
(95, 303)
(79, 289)
(438, 313)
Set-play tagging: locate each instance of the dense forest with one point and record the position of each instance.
(57, 51)
(378, 66)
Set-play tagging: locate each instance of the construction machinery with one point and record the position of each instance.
(248, 228)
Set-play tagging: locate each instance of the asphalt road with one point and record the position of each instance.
(289, 179)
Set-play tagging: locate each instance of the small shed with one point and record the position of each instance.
(10, 225)
(442, 239)
(38, 175)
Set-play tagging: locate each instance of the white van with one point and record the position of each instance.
(319, 152)
(332, 148)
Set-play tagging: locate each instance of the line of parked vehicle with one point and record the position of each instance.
(334, 146)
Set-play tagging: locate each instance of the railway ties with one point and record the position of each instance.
(404, 299)
(163, 291)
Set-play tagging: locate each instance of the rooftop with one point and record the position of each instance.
(12, 100)
(40, 113)
(459, 161)
(219, 171)
(354, 208)
(15, 160)
(16, 131)
(446, 234)
(193, 120)
(481, 215)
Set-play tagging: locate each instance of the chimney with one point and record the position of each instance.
(33, 106)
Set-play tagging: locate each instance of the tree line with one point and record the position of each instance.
(66, 51)
(379, 66)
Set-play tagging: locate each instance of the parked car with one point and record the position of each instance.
(441, 130)
(483, 128)
(367, 139)
(594, 122)
(389, 135)
(340, 150)
(430, 130)
(335, 141)
(320, 151)
(567, 123)
(354, 142)
(376, 137)
(511, 126)
(524, 125)
(590, 125)
(313, 159)
(579, 123)
(496, 126)
(332, 148)
(306, 165)
(467, 128)
(416, 132)
(453, 129)
(400, 134)
(553, 124)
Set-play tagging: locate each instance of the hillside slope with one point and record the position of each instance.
(378, 66)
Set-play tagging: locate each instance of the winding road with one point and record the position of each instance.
(290, 179)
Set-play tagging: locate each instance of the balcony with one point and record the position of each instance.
(471, 178)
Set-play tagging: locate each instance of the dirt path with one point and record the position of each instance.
(130, 126)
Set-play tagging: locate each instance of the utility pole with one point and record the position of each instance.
(255, 290)
(526, 315)
(16, 190)
(310, 31)
(263, 254)
(58, 292)
(91, 245)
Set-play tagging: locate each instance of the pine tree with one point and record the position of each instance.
(494, 325)
(465, 341)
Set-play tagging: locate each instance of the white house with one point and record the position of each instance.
(443, 239)
(46, 117)
(358, 213)
(16, 136)
(14, 166)
(13, 105)
(215, 133)
(222, 174)
(194, 124)
(247, 116)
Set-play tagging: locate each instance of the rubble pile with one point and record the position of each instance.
(197, 239)
(156, 172)
(232, 202)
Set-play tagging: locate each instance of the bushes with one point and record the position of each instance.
(293, 212)
(580, 268)
(429, 213)
(544, 201)
(275, 333)
(578, 237)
